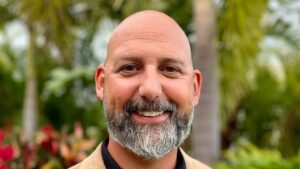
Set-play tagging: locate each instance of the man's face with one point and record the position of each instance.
(149, 86)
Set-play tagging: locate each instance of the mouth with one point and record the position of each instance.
(141, 111)
(150, 113)
(150, 116)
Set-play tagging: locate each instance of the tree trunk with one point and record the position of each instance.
(30, 98)
(206, 135)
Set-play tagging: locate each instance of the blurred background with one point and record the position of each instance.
(247, 51)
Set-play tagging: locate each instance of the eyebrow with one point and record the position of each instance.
(162, 59)
(171, 59)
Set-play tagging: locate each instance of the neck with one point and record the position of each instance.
(128, 160)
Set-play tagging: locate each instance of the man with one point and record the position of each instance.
(149, 90)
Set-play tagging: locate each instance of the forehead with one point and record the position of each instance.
(149, 45)
(149, 34)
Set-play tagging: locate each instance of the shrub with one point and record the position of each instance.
(247, 156)
(51, 149)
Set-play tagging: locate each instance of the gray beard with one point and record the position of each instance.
(148, 141)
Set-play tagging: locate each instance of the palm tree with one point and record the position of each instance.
(240, 32)
(50, 18)
(58, 23)
(205, 136)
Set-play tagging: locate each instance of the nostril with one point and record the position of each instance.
(148, 99)
(150, 92)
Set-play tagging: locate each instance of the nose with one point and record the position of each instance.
(150, 85)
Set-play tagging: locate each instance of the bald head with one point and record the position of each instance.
(149, 25)
(148, 70)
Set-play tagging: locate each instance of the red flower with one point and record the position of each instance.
(28, 153)
(6, 152)
(48, 130)
(50, 145)
(3, 165)
(49, 142)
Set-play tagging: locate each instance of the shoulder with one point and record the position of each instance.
(193, 163)
(77, 166)
(93, 161)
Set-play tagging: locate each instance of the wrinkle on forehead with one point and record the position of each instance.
(152, 26)
(139, 35)
(149, 35)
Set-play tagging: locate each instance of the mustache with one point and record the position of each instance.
(155, 105)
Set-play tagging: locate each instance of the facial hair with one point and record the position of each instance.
(148, 141)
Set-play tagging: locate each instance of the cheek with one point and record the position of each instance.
(118, 91)
(181, 92)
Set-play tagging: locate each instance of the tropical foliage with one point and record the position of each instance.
(247, 156)
(257, 48)
(263, 106)
(50, 149)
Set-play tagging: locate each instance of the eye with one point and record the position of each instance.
(170, 71)
(129, 69)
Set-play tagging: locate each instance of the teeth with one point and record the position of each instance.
(150, 113)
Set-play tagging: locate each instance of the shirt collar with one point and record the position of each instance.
(110, 163)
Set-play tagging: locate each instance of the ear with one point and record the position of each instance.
(197, 82)
(99, 81)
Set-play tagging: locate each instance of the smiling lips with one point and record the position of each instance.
(150, 116)
(150, 113)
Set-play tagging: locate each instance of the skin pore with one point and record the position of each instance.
(148, 59)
